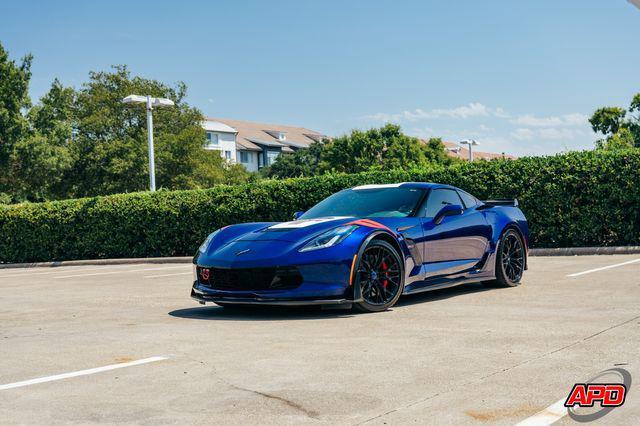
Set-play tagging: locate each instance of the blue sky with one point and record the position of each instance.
(518, 76)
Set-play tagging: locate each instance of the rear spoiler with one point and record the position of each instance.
(487, 204)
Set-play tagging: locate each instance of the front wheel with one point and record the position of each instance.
(380, 275)
(510, 260)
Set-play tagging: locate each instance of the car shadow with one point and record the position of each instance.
(280, 313)
(260, 313)
(445, 293)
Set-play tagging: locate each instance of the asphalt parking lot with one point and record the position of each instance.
(466, 355)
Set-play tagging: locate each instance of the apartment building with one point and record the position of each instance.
(255, 145)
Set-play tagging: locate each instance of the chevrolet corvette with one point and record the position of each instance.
(365, 247)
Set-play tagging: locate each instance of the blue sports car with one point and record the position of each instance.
(365, 247)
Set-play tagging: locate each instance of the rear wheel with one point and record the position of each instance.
(380, 276)
(509, 260)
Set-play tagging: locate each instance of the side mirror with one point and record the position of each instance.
(448, 210)
(297, 215)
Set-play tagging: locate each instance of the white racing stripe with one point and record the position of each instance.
(548, 416)
(121, 272)
(381, 186)
(169, 275)
(303, 223)
(603, 268)
(81, 373)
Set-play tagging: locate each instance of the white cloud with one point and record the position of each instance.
(530, 120)
(522, 134)
(422, 132)
(473, 109)
(500, 113)
(554, 133)
(576, 119)
(496, 129)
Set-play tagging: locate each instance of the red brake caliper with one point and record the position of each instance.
(385, 281)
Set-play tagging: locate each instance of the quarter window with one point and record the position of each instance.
(468, 200)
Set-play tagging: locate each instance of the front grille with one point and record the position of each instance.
(250, 279)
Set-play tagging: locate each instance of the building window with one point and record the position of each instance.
(282, 136)
(227, 155)
(244, 157)
(271, 157)
(212, 139)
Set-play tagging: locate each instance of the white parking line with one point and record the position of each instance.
(168, 275)
(603, 268)
(81, 372)
(121, 272)
(27, 274)
(548, 416)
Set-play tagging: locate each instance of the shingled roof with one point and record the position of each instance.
(251, 134)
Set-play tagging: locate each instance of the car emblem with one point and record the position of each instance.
(204, 273)
(238, 253)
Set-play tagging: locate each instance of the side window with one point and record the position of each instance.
(468, 200)
(437, 199)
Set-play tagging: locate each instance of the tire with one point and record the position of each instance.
(510, 260)
(380, 275)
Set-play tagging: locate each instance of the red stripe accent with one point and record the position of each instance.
(370, 224)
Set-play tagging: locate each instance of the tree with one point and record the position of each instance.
(621, 127)
(53, 116)
(386, 148)
(38, 168)
(436, 152)
(622, 139)
(607, 120)
(87, 142)
(14, 100)
(303, 162)
(109, 147)
(39, 161)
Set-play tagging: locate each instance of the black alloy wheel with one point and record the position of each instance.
(510, 260)
(380, 277)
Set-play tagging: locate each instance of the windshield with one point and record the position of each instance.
(378, 202)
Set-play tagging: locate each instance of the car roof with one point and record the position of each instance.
(416, 185)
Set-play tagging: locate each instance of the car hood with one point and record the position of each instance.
(293, 231)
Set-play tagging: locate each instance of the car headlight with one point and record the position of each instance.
(203, 247)
(330, 238)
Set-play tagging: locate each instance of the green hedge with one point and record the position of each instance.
(576, 199)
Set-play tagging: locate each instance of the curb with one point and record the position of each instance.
(132, 261)
(564, 251)
(584, 251)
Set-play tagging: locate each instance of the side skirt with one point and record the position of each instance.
(439, 286)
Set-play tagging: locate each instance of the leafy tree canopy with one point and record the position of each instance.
(14, 100)
(385, 148)
(86, 142)
(621, 127)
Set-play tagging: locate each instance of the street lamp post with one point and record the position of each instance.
(150, 103)
(471, 143)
